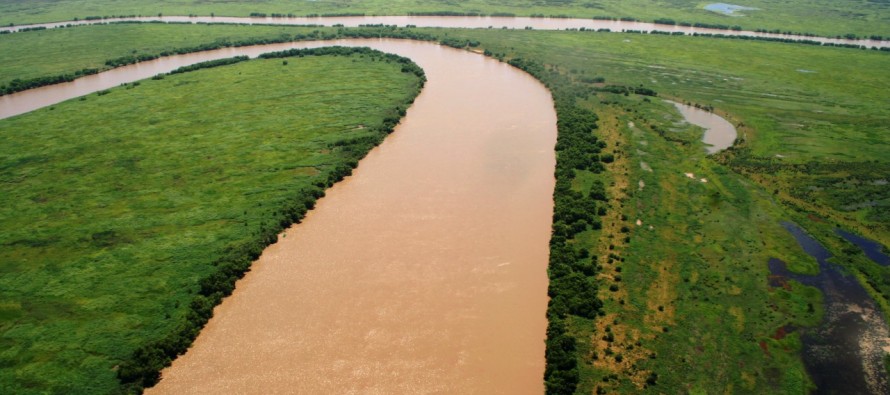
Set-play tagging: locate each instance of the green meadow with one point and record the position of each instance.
(822, 17)
(116, 207)
(685, 302)
(683, 276)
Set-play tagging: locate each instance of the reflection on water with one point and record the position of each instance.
(844, 355)
(728, 9)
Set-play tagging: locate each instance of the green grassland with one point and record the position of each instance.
(823, 17)
(687, 307)
(59, 51)
(115, 206)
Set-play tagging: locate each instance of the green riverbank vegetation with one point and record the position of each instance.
(128, 214)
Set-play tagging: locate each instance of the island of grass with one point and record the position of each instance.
(128, 214)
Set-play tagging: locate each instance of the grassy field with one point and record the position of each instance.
(687, 307)
(115, 206)
(823, 17)
(692, 304)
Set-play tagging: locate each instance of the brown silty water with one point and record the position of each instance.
(423, 272)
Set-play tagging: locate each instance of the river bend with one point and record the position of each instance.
(423, 272)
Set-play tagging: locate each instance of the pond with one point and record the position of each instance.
(719, 133)
(728, 9)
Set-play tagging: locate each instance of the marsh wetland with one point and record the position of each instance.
(348, 254)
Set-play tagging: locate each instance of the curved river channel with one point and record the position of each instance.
(423, 272)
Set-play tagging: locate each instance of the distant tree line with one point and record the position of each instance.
(335, 14)
(18, 85)
(408, 66)
(210, 64)
(459, 43)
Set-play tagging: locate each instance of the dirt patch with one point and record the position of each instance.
(764, 347)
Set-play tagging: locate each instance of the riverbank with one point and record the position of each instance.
(124, 225)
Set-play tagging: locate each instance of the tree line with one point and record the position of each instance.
(408, 66)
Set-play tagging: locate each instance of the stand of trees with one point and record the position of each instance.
(18, 85)
(407, 65)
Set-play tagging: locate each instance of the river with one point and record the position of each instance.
(425, 271)
(467, 22)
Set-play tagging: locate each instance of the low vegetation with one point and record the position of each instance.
(123, 227)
